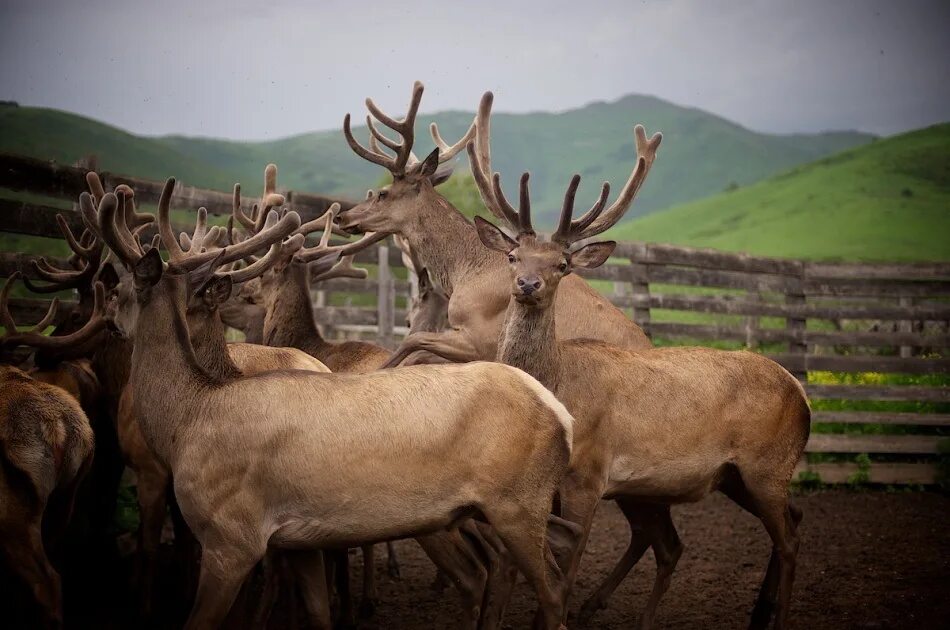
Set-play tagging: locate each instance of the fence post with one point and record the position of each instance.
(640, 287)
(752, 321)
(906, 326)
(796, 295)
(385, 300)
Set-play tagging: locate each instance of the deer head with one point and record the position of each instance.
(390, 209)
(537, 266)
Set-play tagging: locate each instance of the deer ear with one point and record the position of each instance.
(493, 238)
(148, 269)
(442, 175)
(430, 164)
(108, 276)
(216, 290)
(593, 254)
(424, 283)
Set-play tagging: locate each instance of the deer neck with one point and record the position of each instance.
(447, 244)
(211, 346)
(528, 342)
(166, 377)
(288, 322)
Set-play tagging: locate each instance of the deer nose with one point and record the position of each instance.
(529, 284)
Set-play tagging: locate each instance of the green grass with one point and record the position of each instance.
(886, 201)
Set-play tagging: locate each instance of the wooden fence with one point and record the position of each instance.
(890, 320)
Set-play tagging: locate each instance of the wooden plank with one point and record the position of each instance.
(640, 289)
(734, 305)
(855, 443)
(879, 472)
(879, 392)
(881, 417)
(29, 311)
(721, 279)
(31, 219)
(800, 363)
(903, 271)
(876, 287)
(659, 253)
(811, 337)
(57, 180)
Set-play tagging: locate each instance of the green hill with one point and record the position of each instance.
(889, 200)
(702, 154)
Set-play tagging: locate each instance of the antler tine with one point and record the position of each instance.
(132, 218)
(342, 269)
(95, 186)
(646, 154)
(6, 319)
(271, 198)
(236, 211)
(90, 218)
(367, 154)
(275, 230)
(201, 230)
(588, 217)
(510, 214)
(322, 248)
(35, 339)
(562, 233)
(524, 205)
(118, 241)
(375, 134)
(447, 152)
(164, 225)
(124, 229)
(259, 266)
(479, 154)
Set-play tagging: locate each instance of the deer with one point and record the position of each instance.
(268, 460)
(672, 425)
(448, 247)
(46, 449)
(288, 321)
(428, 309)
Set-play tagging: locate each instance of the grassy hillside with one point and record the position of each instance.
(889, 200)
(702, 154)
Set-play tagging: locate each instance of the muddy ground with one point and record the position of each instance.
(868, 560)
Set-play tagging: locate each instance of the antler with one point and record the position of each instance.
(272, 231)
(594, 221)
(597, 220)
(342, 269)
(269, 199)
(404, 158)
(87, 254)
(34, 337)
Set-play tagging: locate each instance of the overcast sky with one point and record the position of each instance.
(267, 69)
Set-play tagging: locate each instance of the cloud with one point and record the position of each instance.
(266, 70)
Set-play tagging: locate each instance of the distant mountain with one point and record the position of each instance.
(701, 154)
(888, 201)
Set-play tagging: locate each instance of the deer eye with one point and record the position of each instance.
(511, 258)
(382, 194)
(562, 267)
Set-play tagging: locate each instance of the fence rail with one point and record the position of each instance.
(808, 316)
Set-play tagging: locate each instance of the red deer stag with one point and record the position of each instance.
(46, 448)
(280, 459)
(447, 246)
(671, 425)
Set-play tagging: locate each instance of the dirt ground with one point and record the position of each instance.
(868, 560)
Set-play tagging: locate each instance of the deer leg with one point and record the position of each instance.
(271, 590)
(580, 493)
(453, 345)
(370, 595)
(667, 548)
(341, 579)
(224, 567)
(455, 557)
(501, 569)
(522, 527)
(308, 568)
(639, 543)
(24, 552)
(153, 484)
(392, 561)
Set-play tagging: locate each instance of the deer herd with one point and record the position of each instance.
(520, 399)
